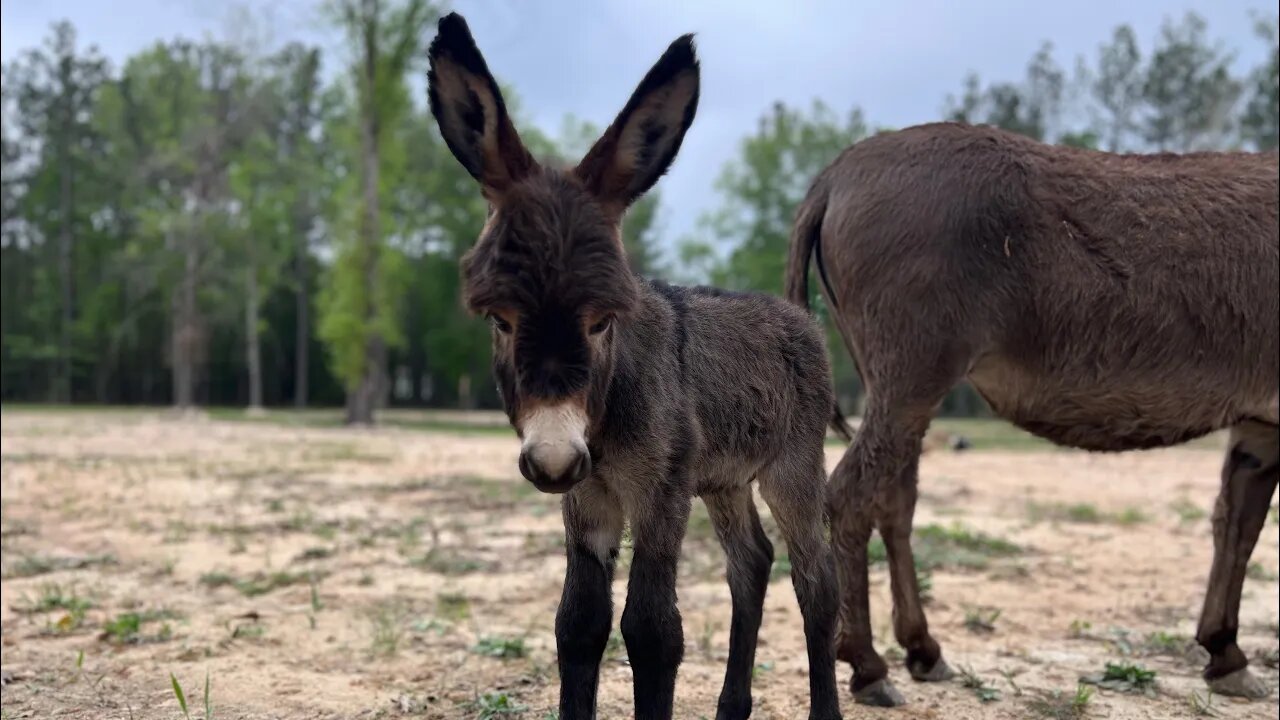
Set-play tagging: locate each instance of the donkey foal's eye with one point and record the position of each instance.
(601, 325)
(503, 326)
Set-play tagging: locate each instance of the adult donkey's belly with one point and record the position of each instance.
(1115, 411)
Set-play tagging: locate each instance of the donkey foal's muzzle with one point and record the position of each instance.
(554, 455)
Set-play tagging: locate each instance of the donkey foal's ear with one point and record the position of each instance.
(469, 109)
(641, 143)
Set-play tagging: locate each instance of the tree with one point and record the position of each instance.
(56, 90)
(1031, 108)
(1118, 87)
(1189, 89)
(761, 189)
(359, 322)
(1261, 122)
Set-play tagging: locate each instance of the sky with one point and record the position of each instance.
(898, 61)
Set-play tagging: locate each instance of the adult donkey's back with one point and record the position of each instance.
(1105, 302)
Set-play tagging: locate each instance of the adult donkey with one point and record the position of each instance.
(1100, 301)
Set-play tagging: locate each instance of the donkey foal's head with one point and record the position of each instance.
(549, 270)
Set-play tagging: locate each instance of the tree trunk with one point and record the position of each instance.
(185, 330)
(362, 400)
(302, 331)
(65, 202)
(253, 356)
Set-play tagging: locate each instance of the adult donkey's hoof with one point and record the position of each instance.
(940, 672)
(1240, 683)
(880, 693)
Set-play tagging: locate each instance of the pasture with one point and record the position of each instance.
(311, 571)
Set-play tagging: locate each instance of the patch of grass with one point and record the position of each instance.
(490, 705)
(1258, 571)
(126, 628)
(1165, 643)
(318, 552)
(1084, 513)
(981, 620)
(937, 547)
(984, 692)
(761, 668)
(259, 583)
(1124, 677)
(453, 606)
(1187, 511)
(55, 596)
(248, 630)
(445, 562)
(1060, 706)
(33, 565)
(498, 646)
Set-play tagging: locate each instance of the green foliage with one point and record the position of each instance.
(173, 221)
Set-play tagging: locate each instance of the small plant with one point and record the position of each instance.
(781, 568)
(924, 582)
(980, 621)
(704, 638)
(124, 628)
(1079, 629)
(1124, 677)
(1257, 571)
(53, 596)
(182, 697)
(1009, 676)
(1059, 706)
(1201, 705)
(761, 668)
(497, 646)
(614, 646)
(492, 705)
(388, 621)
(984, 692)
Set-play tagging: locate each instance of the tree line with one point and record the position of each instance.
(212, 223)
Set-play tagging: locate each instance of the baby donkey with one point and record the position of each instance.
(631, 397)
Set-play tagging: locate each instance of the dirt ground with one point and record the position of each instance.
(317, 572)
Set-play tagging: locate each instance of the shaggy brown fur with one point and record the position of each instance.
(632, 397)
(1105, 302)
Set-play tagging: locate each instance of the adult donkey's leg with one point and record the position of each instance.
(1249, 480)
(910, 627)
(749, 557)
(593, 528)
(651, 622)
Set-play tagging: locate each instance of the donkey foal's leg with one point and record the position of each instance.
(910, 627)
(593, 527)
(795, 490)
(651, 622)
(1249, 479)
(750, 556)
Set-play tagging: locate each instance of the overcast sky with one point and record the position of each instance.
(897, 60)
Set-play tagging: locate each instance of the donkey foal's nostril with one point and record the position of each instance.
(583, 467)
(526, 467)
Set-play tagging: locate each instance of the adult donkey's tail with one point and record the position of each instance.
(805, 243)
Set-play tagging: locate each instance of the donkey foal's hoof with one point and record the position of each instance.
(940, 672)
(880, 693)
(1240, 683)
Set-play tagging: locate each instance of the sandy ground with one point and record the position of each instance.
(329, 573)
